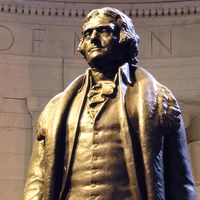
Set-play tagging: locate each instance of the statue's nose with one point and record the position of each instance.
(94, 35)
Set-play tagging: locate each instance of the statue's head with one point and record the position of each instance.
(108, 37)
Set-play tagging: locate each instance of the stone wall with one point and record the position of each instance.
(38, 59)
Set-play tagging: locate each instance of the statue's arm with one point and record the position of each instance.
(34, 186)
(35, 180)
(178, 177)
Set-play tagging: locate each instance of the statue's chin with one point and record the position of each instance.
(104, 62)
(98, 61)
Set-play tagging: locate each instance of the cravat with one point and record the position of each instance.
(99, 92)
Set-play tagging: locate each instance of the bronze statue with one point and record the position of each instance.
(115, 133)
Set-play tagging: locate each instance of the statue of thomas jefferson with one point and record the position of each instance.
(115, 133)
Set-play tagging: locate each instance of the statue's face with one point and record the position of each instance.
(99, 39)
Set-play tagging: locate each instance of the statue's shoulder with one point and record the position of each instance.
(49, 110)
(143, 76)
(147, 80)
(169, 108)
(45, 116)
(167, 105)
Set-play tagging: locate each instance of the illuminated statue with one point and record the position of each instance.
(115, 133)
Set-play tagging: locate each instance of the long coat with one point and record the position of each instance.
(153, 137)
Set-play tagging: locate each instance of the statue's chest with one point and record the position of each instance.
(99, 168)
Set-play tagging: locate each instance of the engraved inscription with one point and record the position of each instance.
(37, 39)
(166, 45)
(6, 38)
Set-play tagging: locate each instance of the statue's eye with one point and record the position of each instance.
(105, 31)
(87, 34)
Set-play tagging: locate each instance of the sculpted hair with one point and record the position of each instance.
(128, 39)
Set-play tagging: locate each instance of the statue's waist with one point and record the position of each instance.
(99, 169)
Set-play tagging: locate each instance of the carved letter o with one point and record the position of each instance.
(6, 38)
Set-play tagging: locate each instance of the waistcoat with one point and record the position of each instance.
(99, 169)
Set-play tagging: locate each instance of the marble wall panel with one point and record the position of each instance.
(38, 59)
(168, 41)
(11, 189)
(22, 76)
(198, 192)
(194, 149)
(157, 41)
(73, 68)
(15, 140)
(181, 75)
(15, 148)
(194, 128)
(13, 166)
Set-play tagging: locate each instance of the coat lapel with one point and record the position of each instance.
(55, 138)
(72, 132)
(126, 138)
(144, 106)
(77, 111)
(150, 134)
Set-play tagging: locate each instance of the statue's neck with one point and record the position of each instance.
(101, 76)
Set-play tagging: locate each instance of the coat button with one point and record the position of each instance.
(93, 197)
(96, 133)
(95, 145)
(93, 185)
(94, 171)
(94, 158)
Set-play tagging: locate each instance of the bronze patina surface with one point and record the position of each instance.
(115, 133)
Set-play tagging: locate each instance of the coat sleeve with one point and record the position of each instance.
(35, 180)
(34, 187)
(179, 182)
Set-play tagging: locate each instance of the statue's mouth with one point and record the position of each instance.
(94, 49)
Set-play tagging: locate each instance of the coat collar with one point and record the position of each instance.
(123, 71)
